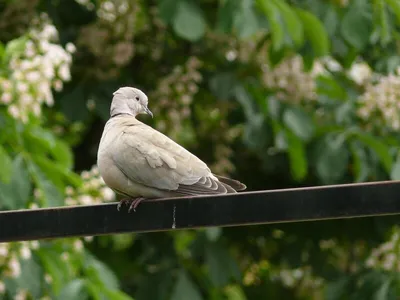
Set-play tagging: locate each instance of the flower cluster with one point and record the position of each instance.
(387, 255)
(303, 278)
(86, 3)
(109, 39)
(360, 73)
(93, 190)
(39, 66)
(380, 104)
(11, 255)
(291, 81)
(174, 95)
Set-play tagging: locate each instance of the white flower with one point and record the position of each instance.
(2, 288)
(34, 245)
(65, 256)
(6, 85)
(49, 32)
(64, 72)
(3, 250)
(14, 267)
(25, 252)
(22, 87)
(29, 52)
(21, 295)
(360, 72)
(70, 47)
(48, 278)
(18, 75)
(70, 201)
(107, 194)
(36, 109)
(88, 239)
(85, 175)
(6, 98)
(47, 69)
(78, 245)
(33, 76)
(44, 46)
(58, 85)
(389, 261)
(231, 55)
(14, 111)
(26, 99)
(85, 199)
(69, 190)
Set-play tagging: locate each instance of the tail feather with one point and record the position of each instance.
(235, 184)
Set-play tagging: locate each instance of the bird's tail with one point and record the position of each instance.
(235, 184)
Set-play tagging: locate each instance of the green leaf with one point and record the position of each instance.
(189, 22)
(395, 173)
(329, 87)
(245, 21)
(16, 193)
(220, 264)
(293, 24)
(222, 85)
(116, 295)
(384, 291)
(271, 11)
(274, 108)
(213, 233)
(99, 273)
(14, 48)
(336, 290)
(6, 166)
(51, 261)
(315, 32)
(395, 6)
(167, 10)
(356, 25)
(379, 147)
(52, 196)
(234, 292)
(382, 26)
(30, 278)
(360, 163)
(332, 158)
(185, 288)
(75, 289)
(299, 122)
(62, 153)
(297, 156)
(225, 15)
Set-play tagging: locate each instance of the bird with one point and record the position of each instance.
(141, 163)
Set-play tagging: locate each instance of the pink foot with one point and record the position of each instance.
(132, 202)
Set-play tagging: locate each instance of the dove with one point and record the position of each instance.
(142, 163)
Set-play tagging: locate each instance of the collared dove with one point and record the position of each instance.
(140, 162)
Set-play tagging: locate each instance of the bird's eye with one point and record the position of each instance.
(137, 98)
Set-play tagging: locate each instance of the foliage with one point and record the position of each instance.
(276, 93)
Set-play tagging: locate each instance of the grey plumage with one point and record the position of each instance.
(138, 161)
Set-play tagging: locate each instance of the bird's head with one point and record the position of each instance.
(131, 101)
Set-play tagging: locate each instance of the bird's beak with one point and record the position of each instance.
(148, 111)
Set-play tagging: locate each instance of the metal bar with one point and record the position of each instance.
(263, 207)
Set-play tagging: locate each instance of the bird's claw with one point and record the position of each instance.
(132, 202)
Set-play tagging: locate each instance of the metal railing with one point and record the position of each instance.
(261, 207)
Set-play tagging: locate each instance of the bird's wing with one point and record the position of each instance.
(150, 158)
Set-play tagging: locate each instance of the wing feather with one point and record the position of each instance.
(154, 160)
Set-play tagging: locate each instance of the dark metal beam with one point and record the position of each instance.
(263, 207)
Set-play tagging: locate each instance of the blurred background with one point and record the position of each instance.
(275, 93)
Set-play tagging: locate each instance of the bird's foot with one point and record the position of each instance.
(132, 202)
